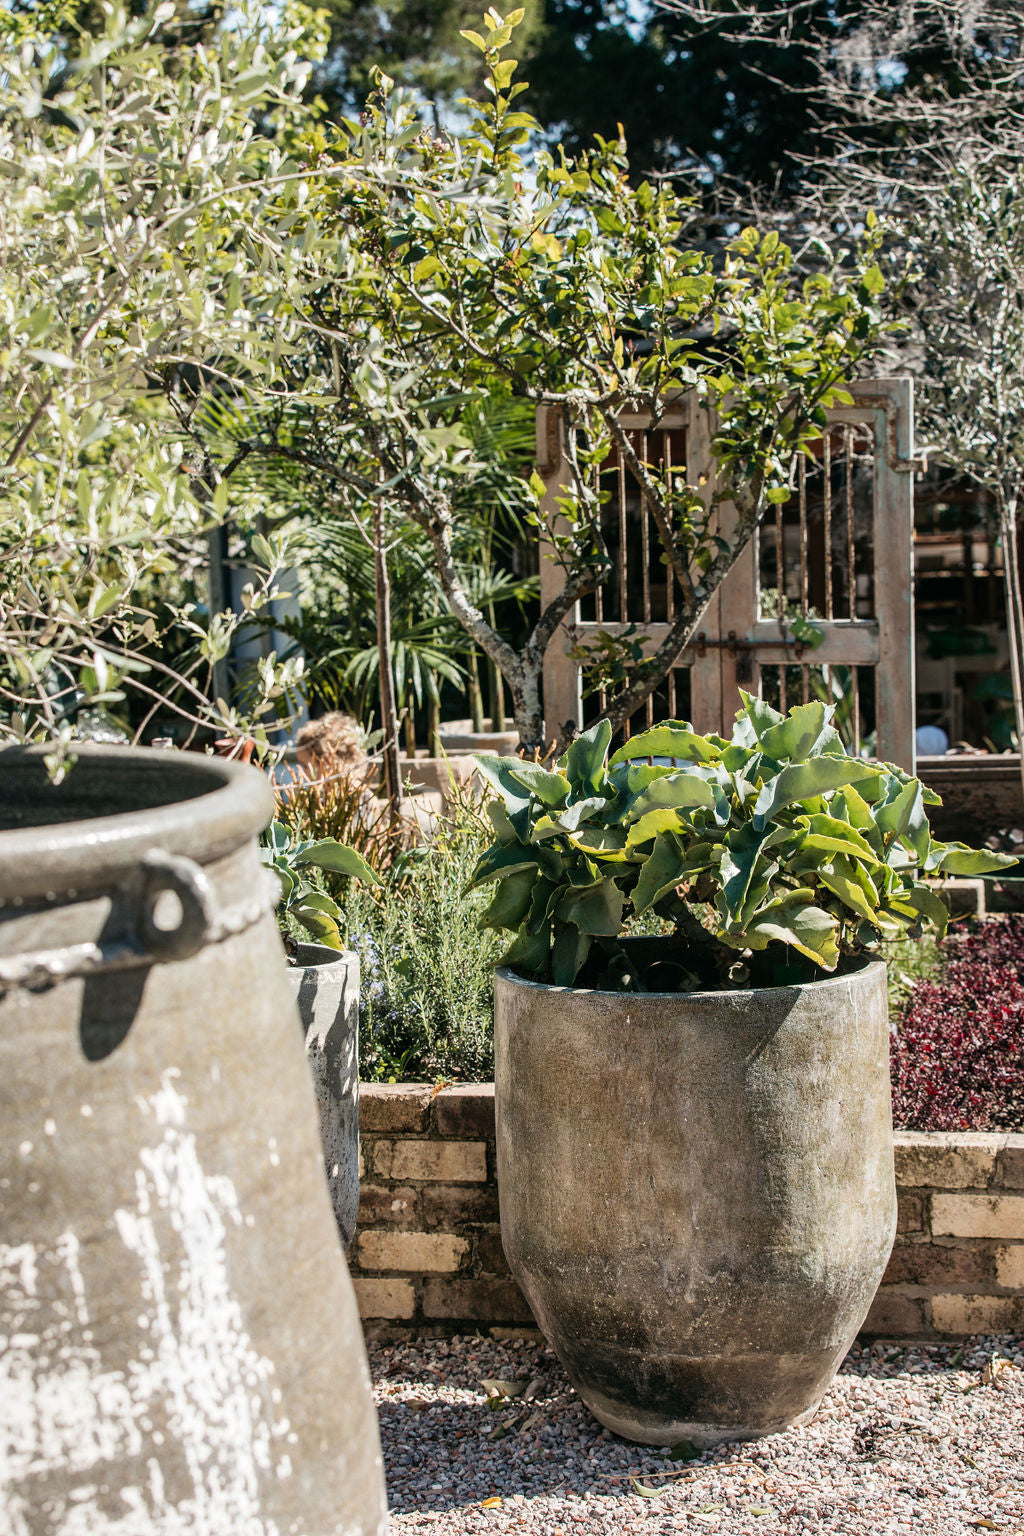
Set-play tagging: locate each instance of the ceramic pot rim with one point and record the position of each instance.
(206, 807)
(731, 994)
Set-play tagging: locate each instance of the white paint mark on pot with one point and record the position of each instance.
(186, 1428)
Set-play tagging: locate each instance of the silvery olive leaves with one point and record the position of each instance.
(774, 844)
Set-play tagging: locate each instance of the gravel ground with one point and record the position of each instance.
(906, 1440)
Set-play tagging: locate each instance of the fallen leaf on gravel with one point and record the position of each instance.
(995, 1368)
(647, 1493)
(496, 1388)
(628, 1477)
(490, 1504)
(533, 1388)
(497, 1433)
(533, 1421)
(414, 1402)
(986, 1525)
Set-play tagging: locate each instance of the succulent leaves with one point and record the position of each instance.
(312, 908)
(775, 837)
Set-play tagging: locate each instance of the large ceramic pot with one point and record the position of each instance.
(183, 1354)
(697, 1192)
(325, 983)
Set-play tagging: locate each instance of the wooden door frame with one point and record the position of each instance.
(885, 642)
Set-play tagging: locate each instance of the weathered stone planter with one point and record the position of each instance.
(326, 987)
(697, 1193)
(183, 1350)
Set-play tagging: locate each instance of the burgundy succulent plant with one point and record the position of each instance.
(957, 1050)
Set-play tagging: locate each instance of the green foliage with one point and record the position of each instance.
(771, 843)
(419, 46)
(431, 273)
(967, 298)
(130, 175)
(910, 961)
(303, 900)
(357, 296)
(426, 969)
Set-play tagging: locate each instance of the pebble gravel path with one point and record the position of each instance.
(488, 1436)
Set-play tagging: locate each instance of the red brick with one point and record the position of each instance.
(408, 1159)
(450, 1206)
(929, 1264)
(466, 1110)
(946, 1159)
(392, 1205)
(960, 1315)
(894, 1316)
(476, 1301)
(960, 1215)
(911, 1213)
(412, 1253)
(385, 1108)
(390, 1298)
(488, 1254)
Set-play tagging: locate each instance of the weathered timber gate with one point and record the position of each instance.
(819, 605)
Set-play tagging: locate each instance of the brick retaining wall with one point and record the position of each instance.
(428, 1256)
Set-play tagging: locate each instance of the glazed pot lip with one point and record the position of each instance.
(203, 809)
(642, 999)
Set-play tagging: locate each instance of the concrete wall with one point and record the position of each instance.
(428, 1256)
(980, 795)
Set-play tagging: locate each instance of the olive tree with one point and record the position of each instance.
(966, 297)
(128, 180)
(920, 110)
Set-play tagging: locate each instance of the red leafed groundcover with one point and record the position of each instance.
(957, 1049)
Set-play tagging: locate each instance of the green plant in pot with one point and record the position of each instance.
(694, 1130)
(304, 903)
(324, 976)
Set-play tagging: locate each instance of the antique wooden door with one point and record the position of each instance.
(820, 605)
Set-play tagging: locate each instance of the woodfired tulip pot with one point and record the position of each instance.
(697, 1192)
(185, 1351)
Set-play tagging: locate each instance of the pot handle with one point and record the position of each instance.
(175, 916)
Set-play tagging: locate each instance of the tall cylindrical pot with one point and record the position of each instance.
(182, 1351)
(325, 983)
(697, 1192)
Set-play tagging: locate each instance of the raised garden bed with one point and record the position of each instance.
(428, 1253)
